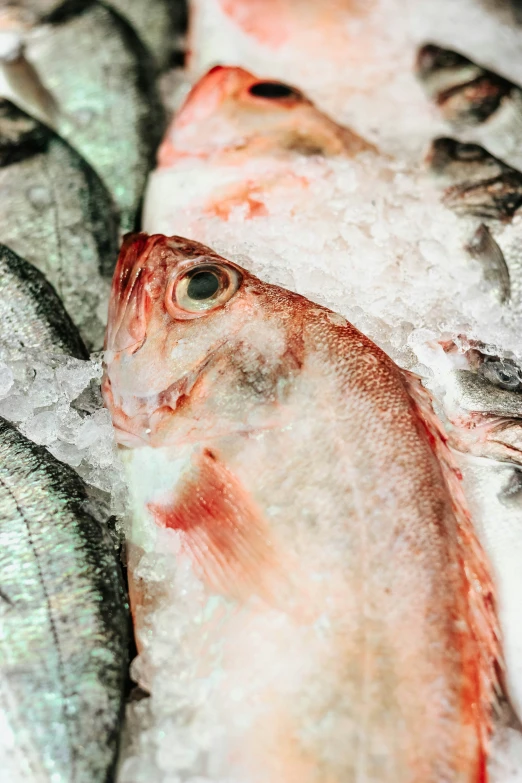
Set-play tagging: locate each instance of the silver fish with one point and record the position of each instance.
(31, 313)
(483, 186)
(108, 104)
(484, 404)
(63, 620)
(57, 214)
(156, 22)
(474, 99)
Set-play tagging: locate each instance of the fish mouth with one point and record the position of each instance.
(443, 70)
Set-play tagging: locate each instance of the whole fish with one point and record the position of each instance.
(482, 186)
(487, 106)
(31, 313)
(107, 104)
(291, 469)
(63, 637)
(57, 214)
(234, 144)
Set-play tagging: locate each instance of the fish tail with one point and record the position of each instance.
(483, 649)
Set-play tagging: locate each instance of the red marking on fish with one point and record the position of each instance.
(221, 528)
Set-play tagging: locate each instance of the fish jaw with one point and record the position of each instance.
(156, 378)
(223, 116)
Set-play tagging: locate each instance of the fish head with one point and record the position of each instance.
(231, 111)
(442, 69)
(466, 93)
(484, 404)
(193, 338)
(462, 162)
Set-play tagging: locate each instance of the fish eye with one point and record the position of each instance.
(505, 375)
(200, 289)
(273, 90)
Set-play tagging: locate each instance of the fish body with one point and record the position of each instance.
(156, 23)
(31, 313)
(236, 144)
(287, 466)
(107, 105)
(484, 105)
(73, 235)
(63, 638)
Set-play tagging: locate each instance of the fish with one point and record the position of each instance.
(480, 185)
(63, 645)
(483, 403)
(235, 140)
(283, 460)
(32, 315)
(474, 99)
(155, 23)
(58, 215)
(108, 106)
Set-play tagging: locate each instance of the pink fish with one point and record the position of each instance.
(237, 142)
(282, 461)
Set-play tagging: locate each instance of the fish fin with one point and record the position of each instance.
(221, 529)
(482, 668)
(483, 247)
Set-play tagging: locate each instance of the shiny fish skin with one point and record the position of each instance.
(109, 108)
(57, 214)
(32, 315)
(155, 21)
(480, 185)
(204, 403)
(63, 624)
(475, 100)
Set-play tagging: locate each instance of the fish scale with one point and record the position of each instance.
(63, 629)
(73, 237)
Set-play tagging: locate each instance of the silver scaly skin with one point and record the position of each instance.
(73, 235)
(480, 185)
(63, 624)
(31, 313)
(108, 104)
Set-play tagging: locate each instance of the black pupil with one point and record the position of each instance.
(203, 285)
(272, 90)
